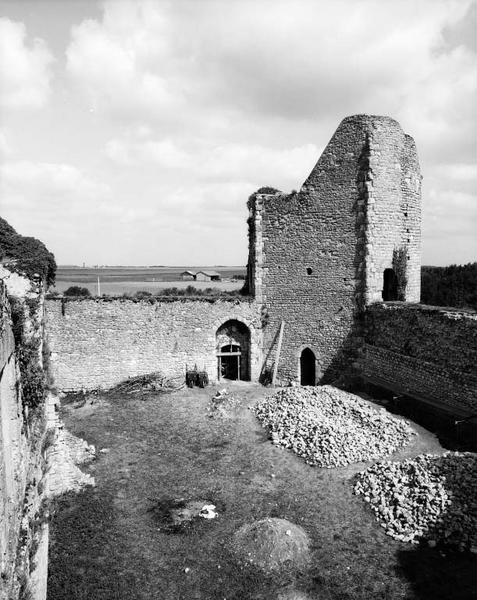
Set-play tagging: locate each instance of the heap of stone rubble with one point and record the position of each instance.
(431, 498)
(329, 427)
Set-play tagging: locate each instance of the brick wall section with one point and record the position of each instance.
(426, 351)
(352, 212)
(98, 343)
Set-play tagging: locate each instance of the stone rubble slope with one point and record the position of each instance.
(430, 498)
(329, 427)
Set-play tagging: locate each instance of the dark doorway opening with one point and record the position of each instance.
(307, 367)
(229, 362)
(233, 351)
(390, 285)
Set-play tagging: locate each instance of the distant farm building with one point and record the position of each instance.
(187, 275)
(207, 276)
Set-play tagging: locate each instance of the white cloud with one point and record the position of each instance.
(5, 148)
(24, 68)
(46, 199)
(164, 153)
(462, 172)
(121, 63)
(234, 162)
(187, 107)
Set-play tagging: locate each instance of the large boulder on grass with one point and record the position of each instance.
(273, 547)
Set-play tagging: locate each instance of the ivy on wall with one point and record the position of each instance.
(400, 270)
(28, 255)
(34, 378)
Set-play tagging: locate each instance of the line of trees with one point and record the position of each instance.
(454, 286)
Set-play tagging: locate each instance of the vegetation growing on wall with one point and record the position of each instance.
(30, 256)
(455, 285)
(400, 270)
(34, 382)
(268, 190)
(76, 290)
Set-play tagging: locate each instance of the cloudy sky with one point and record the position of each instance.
(132, 132)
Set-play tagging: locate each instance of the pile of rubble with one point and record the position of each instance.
(329, 427)
(431, 498)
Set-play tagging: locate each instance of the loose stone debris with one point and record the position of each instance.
(431, 498)
(222, 404)
(329, 427)
(275, 547)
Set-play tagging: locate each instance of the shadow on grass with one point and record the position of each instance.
(435, 575)
(83, 561)
(443, 572)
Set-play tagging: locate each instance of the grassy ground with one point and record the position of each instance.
(118, 288)
(108, 543)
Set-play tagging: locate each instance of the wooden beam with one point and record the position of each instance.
(279, 349)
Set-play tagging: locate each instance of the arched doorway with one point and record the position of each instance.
(233, 351)
(390, 287)
(307, 367)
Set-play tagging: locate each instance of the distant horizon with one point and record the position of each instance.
(123, 266)
(98, 267)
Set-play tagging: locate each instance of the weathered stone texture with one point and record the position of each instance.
(318, 256)
(98, 343)
(424, 351)
(13, 447)
(21, 465)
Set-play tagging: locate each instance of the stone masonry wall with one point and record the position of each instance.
(13, 446)
(426, 351)
(393, 211)
(99, 343)
(317, 257)
(23, 544)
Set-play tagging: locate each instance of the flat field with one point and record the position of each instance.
(128, 280)
(109, 542)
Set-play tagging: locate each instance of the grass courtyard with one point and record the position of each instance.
(109, 542)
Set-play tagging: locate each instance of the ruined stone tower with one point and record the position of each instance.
(348, 238)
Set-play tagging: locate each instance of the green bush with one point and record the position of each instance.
(76, 290)
(142, 294)
(455, 285)
(30, 256)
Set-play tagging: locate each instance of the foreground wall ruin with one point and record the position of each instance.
(37, 456)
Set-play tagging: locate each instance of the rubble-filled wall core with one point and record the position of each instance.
(99, 343)
(318, 257)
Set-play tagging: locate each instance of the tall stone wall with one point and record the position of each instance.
(423, 351)
(317, 257)
(23, 542)
(99, 343)
(13, 445)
